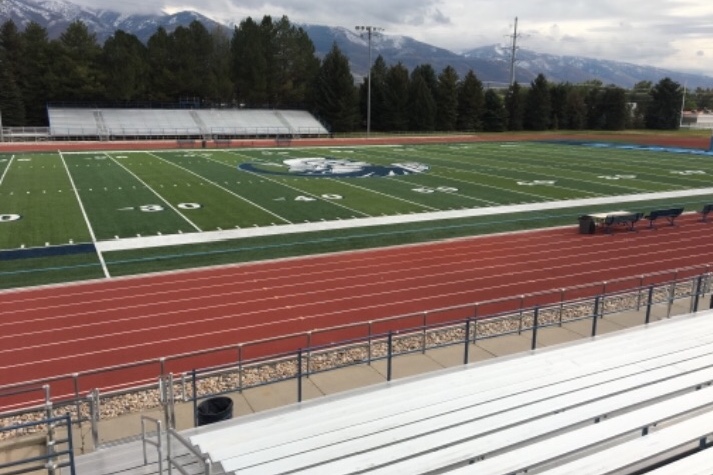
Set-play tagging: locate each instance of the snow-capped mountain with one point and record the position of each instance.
(56, 15)
(490, 63)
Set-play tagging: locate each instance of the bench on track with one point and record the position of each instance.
(704, 212)
(627, 220)
(669, 214)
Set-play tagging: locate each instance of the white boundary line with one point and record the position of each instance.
(214, 236)
(6, 169)
(86, 218)
(217, 185)
(155, 192)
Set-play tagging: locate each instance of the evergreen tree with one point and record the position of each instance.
(396, 113)
(126, 68)
(470, 103)
(11, 106)
(378, 95)
(558, 98)
(664, 112)
(576, 109)
(494, 116)
(249, 48)
(221, 87)
(294, 64)
(161, 76)
(615, 108)
(538, 106)
(514, 107)
(422, 104)
(447, 100)
(77, 64)
(38, 79)
(335, 97)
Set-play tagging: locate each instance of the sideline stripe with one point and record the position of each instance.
(6, 169)
(155, 192)
(213, 236)
(86, 218)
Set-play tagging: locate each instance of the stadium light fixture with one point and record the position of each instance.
(370, 30)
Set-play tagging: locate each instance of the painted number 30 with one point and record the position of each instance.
(158, 208)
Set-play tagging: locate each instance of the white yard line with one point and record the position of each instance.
(223, 188)
(158, 195)
(214, 236)
(6, 169)
(86, 218)
(363, 188)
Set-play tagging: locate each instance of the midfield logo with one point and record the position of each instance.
(333, 167)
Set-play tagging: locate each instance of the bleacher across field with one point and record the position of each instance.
(106, 123)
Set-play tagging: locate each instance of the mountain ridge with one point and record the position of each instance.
(490, 63)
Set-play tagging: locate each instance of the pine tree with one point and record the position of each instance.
(514, 107)
(537, 105)
(447, 100)
(664, 112)
(335, 97)
(494, 116)
(470, 103)
(396, 100)
(422, 104)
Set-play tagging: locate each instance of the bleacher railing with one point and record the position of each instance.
(251, 364)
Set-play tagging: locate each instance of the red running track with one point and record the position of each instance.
(51, 331)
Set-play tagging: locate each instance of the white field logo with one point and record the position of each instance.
(334, 167)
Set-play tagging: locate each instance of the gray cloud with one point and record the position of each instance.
(665, 33)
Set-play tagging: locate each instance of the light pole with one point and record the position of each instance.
(369, 30)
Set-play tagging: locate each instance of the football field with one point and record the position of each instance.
(64, 198)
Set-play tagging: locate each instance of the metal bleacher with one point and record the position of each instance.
(635, 399)
(180, 123)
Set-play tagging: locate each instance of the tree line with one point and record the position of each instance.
(273, 64)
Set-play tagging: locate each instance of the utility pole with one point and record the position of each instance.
(512, 54)
(369, 31)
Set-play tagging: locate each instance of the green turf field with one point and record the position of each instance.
(54, 199)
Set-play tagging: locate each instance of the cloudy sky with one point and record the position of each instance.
(674, 34)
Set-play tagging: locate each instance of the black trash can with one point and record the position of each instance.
(586, 225)
(214, 409)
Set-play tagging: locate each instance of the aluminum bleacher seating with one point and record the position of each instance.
(573, 406)
(118, 123)
(68, 122)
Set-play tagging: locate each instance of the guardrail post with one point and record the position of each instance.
(194, 385)
(638, 296)
(561, 305)
(602, 306)
(649, 303)
(240, 367)
(309, 351)
(299, 375)
(389, 348)
(475, 323)
(535, 324)
(94, 411)
(75, 380)
(522, 309)
(466, 340)
(368, 356)
(595, 317)
(699, 286)
(423, 335)
(671, 295)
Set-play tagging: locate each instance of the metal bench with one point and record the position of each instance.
(669, 214)
(627, 220)
(704, 212)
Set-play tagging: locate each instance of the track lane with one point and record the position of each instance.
(438, 275)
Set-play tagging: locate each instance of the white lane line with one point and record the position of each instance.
(86, 218)
(195, 226)
(6, 169)
(223, 188)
